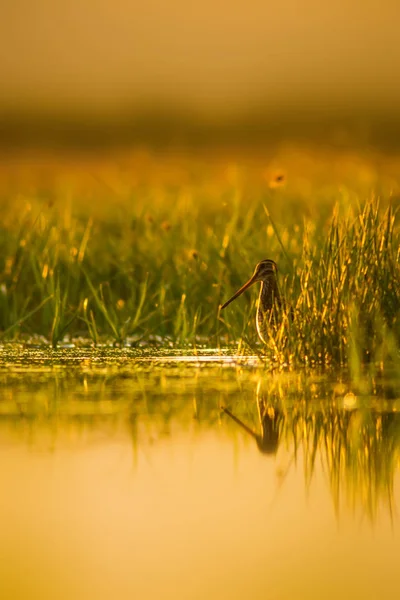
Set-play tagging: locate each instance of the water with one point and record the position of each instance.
(126, 475)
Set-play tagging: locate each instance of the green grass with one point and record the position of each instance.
(147, 247)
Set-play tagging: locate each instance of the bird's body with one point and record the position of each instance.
(269, 298)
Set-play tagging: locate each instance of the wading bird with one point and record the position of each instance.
(269, 298)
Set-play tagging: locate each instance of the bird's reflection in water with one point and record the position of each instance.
(270, 418)
(355, 437)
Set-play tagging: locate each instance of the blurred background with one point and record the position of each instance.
(116, 73)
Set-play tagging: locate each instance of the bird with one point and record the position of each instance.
(269, 298)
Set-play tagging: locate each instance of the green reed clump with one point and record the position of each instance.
(344, 293)
(153, 259)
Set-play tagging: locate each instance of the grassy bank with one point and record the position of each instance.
(148, 246)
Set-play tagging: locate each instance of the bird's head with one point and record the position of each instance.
(264, 270)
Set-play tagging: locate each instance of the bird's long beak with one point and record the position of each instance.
(240, 291)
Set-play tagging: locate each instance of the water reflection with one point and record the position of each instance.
(268, 438)
(118, 473)
(358, 446)
(353, 436)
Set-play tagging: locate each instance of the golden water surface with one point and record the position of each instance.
(194, 481)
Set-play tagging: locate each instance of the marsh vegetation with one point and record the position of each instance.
(146, 248)
(130, 405)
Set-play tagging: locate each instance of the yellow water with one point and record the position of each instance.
(154, 494)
